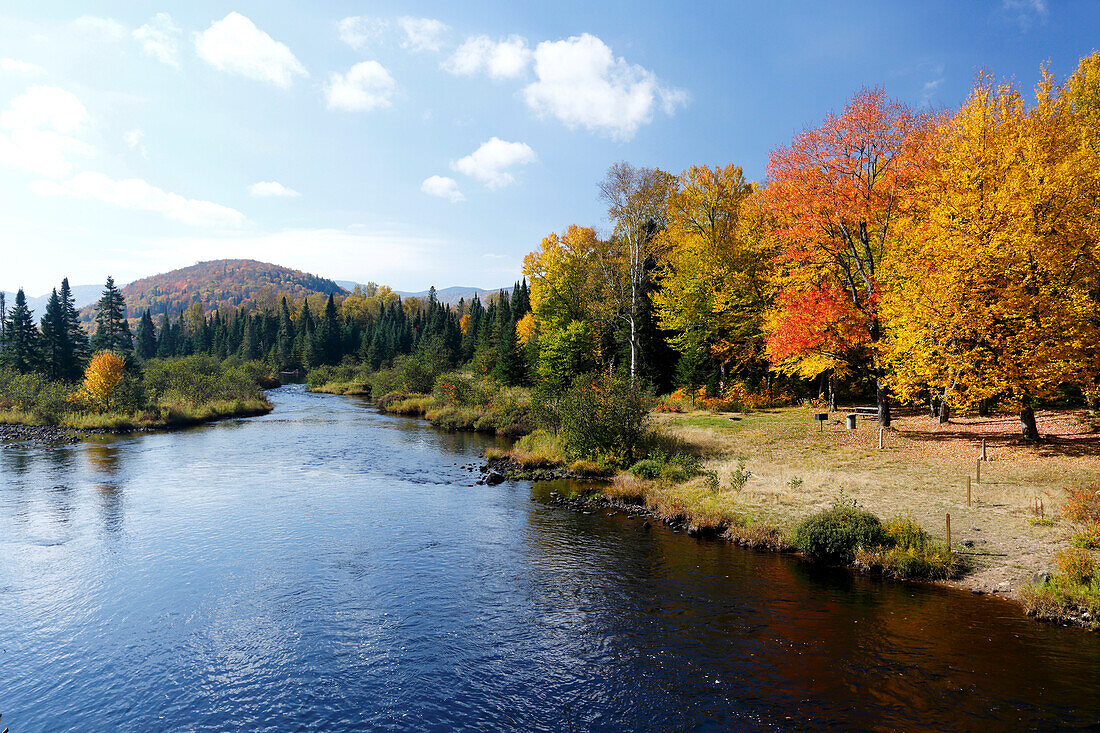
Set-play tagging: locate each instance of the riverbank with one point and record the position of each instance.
(20, 426)
(774, 468)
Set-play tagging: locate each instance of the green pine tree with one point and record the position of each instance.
(112, 332)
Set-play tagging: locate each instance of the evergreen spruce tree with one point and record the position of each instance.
(328, 338)
(21, 349)
(78, 337)
(145, 340)
(303, 339)
(112, 333)
(165, 347)
(284, 338)
(57, 352)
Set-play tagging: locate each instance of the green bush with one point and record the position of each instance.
(648, 468)
(603, 417)
(833, 536)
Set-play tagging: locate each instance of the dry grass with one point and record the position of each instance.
(921, 471)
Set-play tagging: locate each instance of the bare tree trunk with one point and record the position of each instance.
(983, 408)
(945, 413)
(832, 391)
(933, 408)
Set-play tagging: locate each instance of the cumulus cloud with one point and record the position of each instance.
(234, 44)
(135, 140)
(422, 34)
(138, 195)
(490, 162)
(582, 84)
(37, 132)
(271, 188)
(504, 59)
(99, 29)
(159, 38)
(364, 87)
(443, 187)
(20, 67)
(360, 31)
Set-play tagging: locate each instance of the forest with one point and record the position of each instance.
(896, 255)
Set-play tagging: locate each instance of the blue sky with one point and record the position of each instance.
(430, 142)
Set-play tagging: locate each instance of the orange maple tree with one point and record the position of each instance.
(837, 190)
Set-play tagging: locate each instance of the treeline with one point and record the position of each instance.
(944, 259)
(55, 373)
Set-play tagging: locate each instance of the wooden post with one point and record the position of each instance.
(949, 533)
(979, 464)
(983, 450)
(880, 438)
(967, 492)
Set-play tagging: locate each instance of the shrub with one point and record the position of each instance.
(1077, 565)
(739, 476)
(833, 535)
(648, 468)
(1082, 507)
(603, 417)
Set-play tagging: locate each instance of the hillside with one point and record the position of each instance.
(221, 283)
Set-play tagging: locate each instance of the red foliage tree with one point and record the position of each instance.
(837, 190)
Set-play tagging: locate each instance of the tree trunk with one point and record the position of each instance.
(945, 412)
(883, 403)
(933, 408)
(983, 408)
(1027, 420)
(832, 391)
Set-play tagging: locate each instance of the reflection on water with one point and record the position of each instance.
(329, 568)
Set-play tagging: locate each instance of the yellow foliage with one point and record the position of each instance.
(103, 374)
(525, 328)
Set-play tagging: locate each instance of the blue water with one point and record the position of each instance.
(329, 568)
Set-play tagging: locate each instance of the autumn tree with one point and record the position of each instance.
(989, 292)
(715, 277)
(636, 200)
(103, 374)
(836, 192)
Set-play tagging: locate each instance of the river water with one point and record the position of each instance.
(327, 567)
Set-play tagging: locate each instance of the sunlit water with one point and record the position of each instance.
(330, 568)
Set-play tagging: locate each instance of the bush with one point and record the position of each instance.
(602, 417)
(1077, 565)
(1082, 507)
(833, 536)
(648, 468)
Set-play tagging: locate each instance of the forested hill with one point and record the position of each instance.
(222, 283)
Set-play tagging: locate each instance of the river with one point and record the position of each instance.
(327, 567)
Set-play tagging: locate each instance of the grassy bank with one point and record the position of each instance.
(762, 474)
(154, 395)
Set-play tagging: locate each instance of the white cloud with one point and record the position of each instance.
(236, 45)
(135, 140)
(138, 195)
(99, 29)
(422, 34)
(271, 188)
(582, 84)
(489, 163)
(36, 132)
(159, 38)
(364, 87)
(359, 31)
(443, 187)
(20, 67)
(505, 59)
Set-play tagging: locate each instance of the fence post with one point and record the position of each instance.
(983, 450)
(979, 464)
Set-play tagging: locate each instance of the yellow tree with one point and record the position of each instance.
(566, 300)
(103, 374)
(715, 279)
(985, 296)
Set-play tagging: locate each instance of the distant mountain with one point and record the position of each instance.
(447, 296)
(222, 283)
(82, 294)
